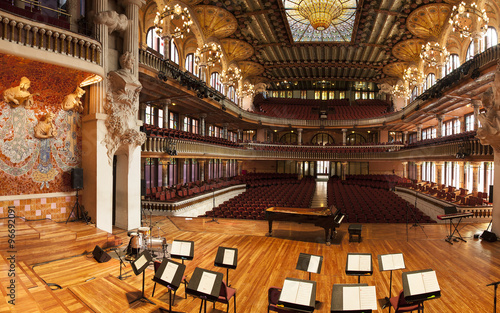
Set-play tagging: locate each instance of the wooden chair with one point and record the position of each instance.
(400, 305)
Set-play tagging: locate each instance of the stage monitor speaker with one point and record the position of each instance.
(489, 236)
(490, 200)
(77, 178)
(100, 255)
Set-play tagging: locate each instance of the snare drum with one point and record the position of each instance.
(144, 231)
(156, 243)
(135, 241)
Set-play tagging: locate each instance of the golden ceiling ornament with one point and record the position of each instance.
(249, 68)
(433, 54)
(212, 53)
(413, 76)
(464, 16)
(408, 50)
(236, 50)
(167, 15)
(320, 13)
(429, 20)
(396, 69)
(231, 76)
(215, 21)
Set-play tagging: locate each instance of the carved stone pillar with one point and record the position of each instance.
(239, 167)
(419, 132)
(405, 137)
(439, 130)
(405, 169)
(461, 180)
(164, 172)
(344, 136)
(181, 179)
(439, 69)
(201, 170)
(299, 136)
(475, 177)
(344, 170)
(142, 111)
(225, 171)
(165, 103)
(477, 105)
(419, 171)
(131, 35)
(203, 127)
(439, 172)
(224, 130)
(477, 39)
(239, 133)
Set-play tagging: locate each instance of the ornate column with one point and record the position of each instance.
(461, 180)
(131, 36)
(164, 172)
(240, 133)
(344, 170)
(299, 136)
(419, 132)
(180, 171)
(439, 68)
(165, 103)
(405, 169)
(142, 111)
(476, 38)
(239, 167)
(477, 105)
(344, 136)
(439, 130)
(475, 177)
(405, 137)
(203, 116)
(439, 172)
(224, 168)
(224, 130)
(201, 170)
(419, 171)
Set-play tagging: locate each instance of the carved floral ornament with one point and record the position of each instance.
(489, 132)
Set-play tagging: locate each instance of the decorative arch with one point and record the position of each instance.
(289, 138)
(322, 139)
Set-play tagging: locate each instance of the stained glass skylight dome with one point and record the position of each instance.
(321, 20)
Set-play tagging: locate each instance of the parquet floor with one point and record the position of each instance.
(463, 269)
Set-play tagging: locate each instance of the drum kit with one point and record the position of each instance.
(141, 240)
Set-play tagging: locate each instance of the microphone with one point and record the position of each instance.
(494, 284)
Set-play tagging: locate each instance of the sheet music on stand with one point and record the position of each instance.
(421, 285)
(182, 249)
(169, 274)
(359, 298)
(205, 284)
(309, 263)
(226, 257)
(142, 262)
(298, 294)
(390, 262)
(359, 264)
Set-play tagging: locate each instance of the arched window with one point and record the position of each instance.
(430, 80)
(216, 83)
(231, 94)
(414, 93)
(354, 139)
(452, 64)
(470, 51)
(491, 38)
(154, 41)
(289, 138)
(190, 64)
(322, 139)
(174, 53)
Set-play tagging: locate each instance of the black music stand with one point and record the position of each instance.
(182, 250)
(420, 286)
(390, 262)
(205, 285)
(169, 274)
(353, 293)
(298, 294)
(226, 258)
(359, 264)
(121, 277)
(309, 263)
(495, 295)
(139, 266)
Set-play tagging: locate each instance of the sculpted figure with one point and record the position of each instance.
(19, 95)
(45, 128)
(489, 132)
(113, 20)
(73, 102)
(384, 88)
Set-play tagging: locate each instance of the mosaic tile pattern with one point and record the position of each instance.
(54, 208)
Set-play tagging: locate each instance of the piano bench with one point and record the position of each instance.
(355, 229)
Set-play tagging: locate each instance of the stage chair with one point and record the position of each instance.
(226, 293)
(400, 305)
(273, 295)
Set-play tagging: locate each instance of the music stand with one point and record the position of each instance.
(205, 285)
(139, 266)
(420, 286)
(359, 264)
(495, 295)
(309, 263)
(121, 277)
(390, 262)
(182, 250)
(298, 294)
(169, 274)
(226, 258)
(353, 298)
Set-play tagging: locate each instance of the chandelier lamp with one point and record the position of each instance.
(464, 16)
(167, 14)
(413, 76)
(432, 54)
(247, 90)
(320, 13)
(212, 53)
(231, 76)
(400, 91)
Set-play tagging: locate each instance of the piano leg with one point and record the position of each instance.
(270, 234)
(328, 236)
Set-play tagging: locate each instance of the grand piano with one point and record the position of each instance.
(322, 217)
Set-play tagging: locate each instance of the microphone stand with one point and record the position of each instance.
(213, 206)
(121, 277)
(495, 297)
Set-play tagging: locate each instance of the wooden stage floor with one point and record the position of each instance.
(463, 269)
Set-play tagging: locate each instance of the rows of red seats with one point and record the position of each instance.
(267, 179)
(155, 131)
(369, 205)
(253, 203)
(325, 149)
(379, 181)
(451, 138)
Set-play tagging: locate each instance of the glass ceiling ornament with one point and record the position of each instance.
(462, 19)
(247, 90)
(433, 54)
(320, 12)
(413, 76)
(231, 76)
(212, 53)
(162, 21)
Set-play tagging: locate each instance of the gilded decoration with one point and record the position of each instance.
(19, 95)
(489, 132)
(236, 50)
(29, 163)
(429, 20)
(408, 50)
(249, 68)
(73, 102)
(121, 107)
(215, 21)
(396, 69)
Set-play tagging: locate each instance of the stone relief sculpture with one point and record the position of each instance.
(19, 95)
(113, 20)
(45, 128)
(122, 107)
(385, 88)
(489, 132)
(72, 102)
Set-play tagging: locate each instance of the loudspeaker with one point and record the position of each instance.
(489, 236)
(490, 200)
(77, 178)
(100, 255)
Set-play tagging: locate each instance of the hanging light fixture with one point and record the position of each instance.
(163, 19)
(231, 76)
(463, 16)
(432, 54)
(413, 76)
(212, 52)
(320, 13)
(400, 91)
(247, 90)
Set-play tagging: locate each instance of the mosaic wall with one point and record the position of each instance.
(29, 165)
(54, 208)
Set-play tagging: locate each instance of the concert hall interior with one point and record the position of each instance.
(248, 138)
